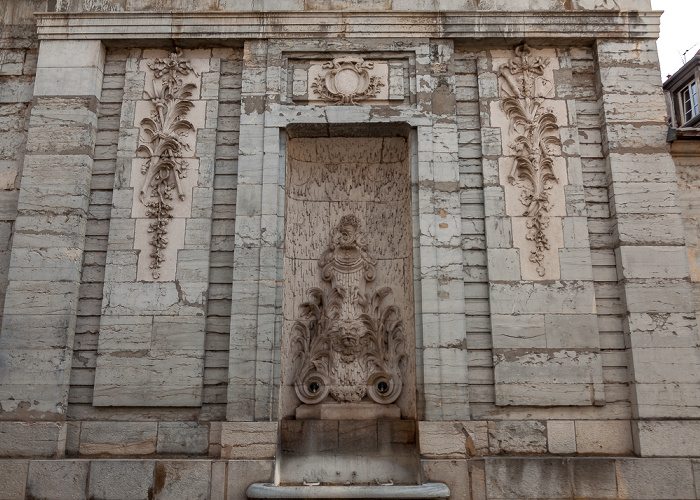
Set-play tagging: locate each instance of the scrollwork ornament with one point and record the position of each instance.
(346, 81)
(348, 343)
(162, 140)
(537, 136)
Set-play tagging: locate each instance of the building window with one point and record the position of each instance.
(689, 102)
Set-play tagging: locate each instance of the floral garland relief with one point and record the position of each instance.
(536, 139)
(163, 141)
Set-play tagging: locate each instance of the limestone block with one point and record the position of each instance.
(528, 478)
(35, 439)
(121, 479)
(604, 437)
(645, 197)
(653, 478)
(453, 473)
(243, 473)
(118, 438)
(248, 440)
(561, 437)
(594, 478)
(71, 54)
(57, 479)
(477, 479)
(651, 262)
(217, 488)
(571, 331)
(504, 264)
(182, 479)
(654, 365)
(518, 331)
(667, 400)
(657, 296)
(667, 438)
(570, 297)
(13, 477)
(517, 437)
(188, 438)
(447, 440)
(68, 82)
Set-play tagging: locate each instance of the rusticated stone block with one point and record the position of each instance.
(248, 440)
(57, 479)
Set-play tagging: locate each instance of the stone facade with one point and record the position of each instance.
(346, 246)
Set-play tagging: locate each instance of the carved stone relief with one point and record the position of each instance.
(349, 343)
(347, 80)
(167, 121)
(348, 327)
(533, 166)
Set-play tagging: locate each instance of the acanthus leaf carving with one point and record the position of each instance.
(537, 136)
(346, 81)
(348, 343)
(162, 139)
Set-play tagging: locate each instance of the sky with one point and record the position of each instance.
(679, 32)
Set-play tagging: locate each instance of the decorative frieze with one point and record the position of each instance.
(349, 343)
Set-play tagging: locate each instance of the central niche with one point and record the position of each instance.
(348, 328)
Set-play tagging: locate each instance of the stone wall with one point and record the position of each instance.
(564, 370)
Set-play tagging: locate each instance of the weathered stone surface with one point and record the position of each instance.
(57, 479)
(594, 478)
(243, 473)
(121, 479)
(190, 438)
(13, 477)
(561, 437)
(519, 437)
(655, 478)
(248, 440)
(118, 438)
(183, 479)
(667, 439)
(528, 478)
(453, 473)
(604, 437)
(445, 440)
(32, 439)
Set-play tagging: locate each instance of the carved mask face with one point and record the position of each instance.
(349, 339)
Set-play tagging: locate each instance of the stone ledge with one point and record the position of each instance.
(327, 24)
(423, 491)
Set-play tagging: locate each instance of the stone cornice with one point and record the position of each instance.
(194, 26)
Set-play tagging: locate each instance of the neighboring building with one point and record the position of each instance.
(346, 248)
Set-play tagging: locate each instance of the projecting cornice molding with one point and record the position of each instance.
(325, 24)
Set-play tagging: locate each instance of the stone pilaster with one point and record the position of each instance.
(440, 295)
(660, 325)
(36, 342)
